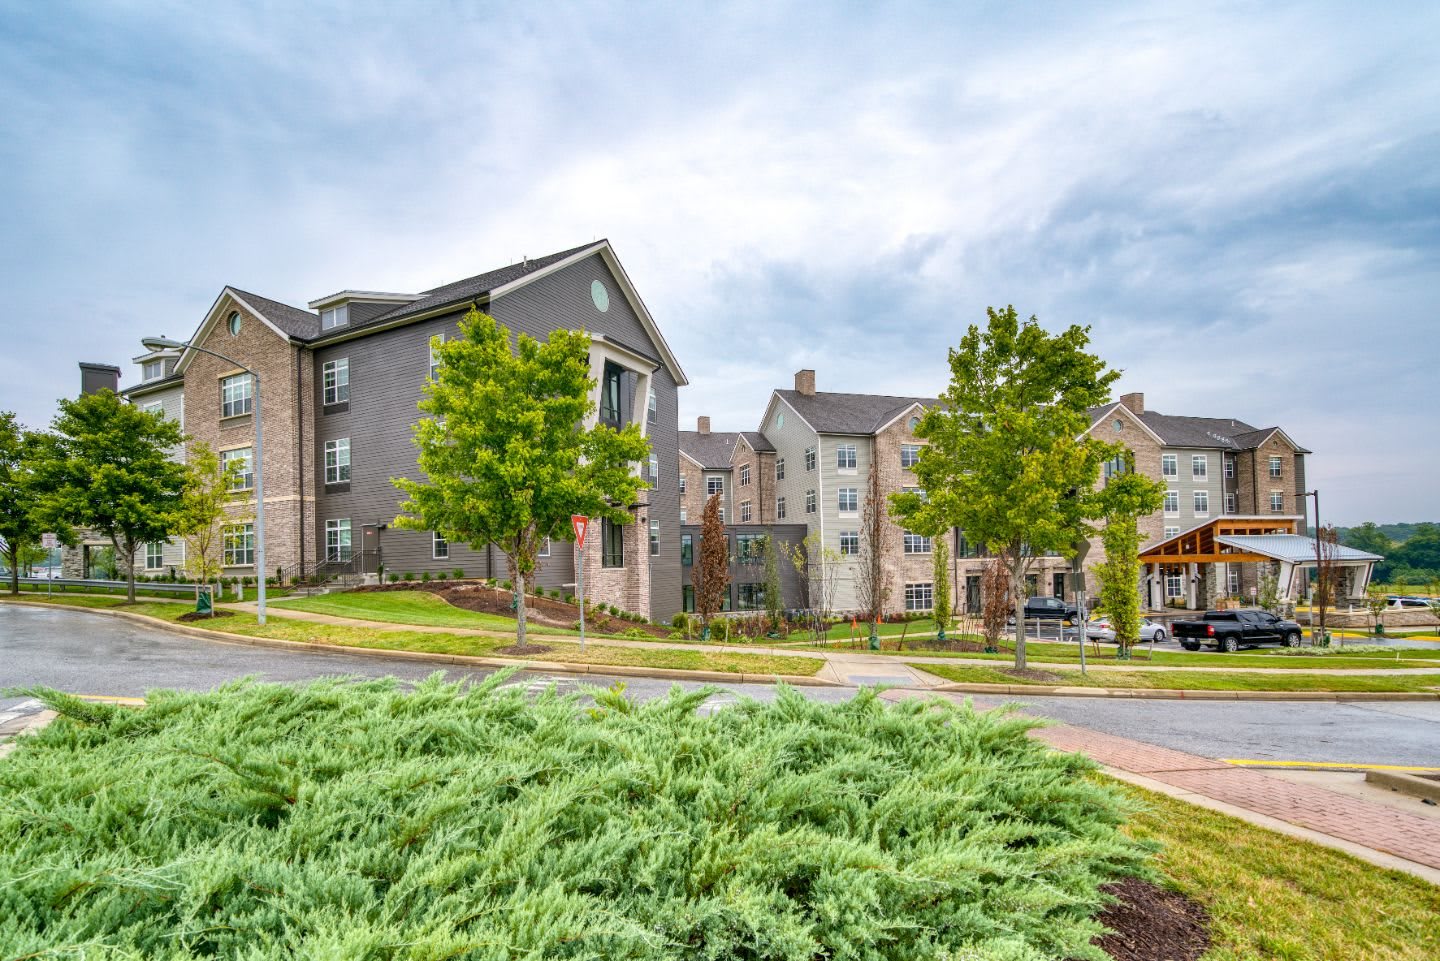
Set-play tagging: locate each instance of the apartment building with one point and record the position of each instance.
(338, 386)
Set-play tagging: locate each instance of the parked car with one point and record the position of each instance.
(1098, 629)
(1050, 609)
(1397, 602)
(1231, 630)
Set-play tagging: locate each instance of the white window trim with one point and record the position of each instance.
(247, 471)
(1199, 467)
(435, 541)
(333, 318)
(326, 370)
(1169, 511)
(334, 446)
(1195, 500)
(337, 526)
(1169, 460)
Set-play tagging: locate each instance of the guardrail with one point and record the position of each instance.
(74, 583)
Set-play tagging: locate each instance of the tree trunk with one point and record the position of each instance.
(518, 579)
(1017, 594)
(129, 556)
(15, 568)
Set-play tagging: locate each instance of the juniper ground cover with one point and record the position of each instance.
(359, 820)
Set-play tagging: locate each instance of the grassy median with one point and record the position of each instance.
(1044, 676)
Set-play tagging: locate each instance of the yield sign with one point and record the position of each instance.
(580, 523)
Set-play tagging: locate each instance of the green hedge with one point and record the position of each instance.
(359, 821)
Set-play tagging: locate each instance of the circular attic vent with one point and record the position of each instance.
(600, 295)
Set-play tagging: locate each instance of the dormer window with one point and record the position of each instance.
(332, 317)
(152, 370)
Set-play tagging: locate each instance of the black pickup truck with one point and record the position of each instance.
(1231, 630)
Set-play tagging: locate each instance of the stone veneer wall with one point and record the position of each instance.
(628, 587)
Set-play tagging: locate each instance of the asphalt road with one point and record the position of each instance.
(87, 653)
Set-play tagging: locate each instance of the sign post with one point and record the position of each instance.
(581, 524)
(49, 542)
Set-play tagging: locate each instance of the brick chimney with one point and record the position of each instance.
(1134, 403)
(805, 382)
(702, 424)
(97, 377)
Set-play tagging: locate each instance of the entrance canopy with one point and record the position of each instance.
(1214, 541)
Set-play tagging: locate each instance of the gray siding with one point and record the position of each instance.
(1186, 485)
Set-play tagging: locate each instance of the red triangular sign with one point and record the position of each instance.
(580, 523)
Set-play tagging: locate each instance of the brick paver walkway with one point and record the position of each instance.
(1353, 819)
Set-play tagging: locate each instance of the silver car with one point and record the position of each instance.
(1098, 629)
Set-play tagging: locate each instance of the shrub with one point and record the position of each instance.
(791, 830)
(425, 577)
(443, 575)
(575, 625)
(679, 622)
(569, 598)
(409, 576)
(393, 577)
(614, 611)
(458, 573)
(636, 633)
(506, 586)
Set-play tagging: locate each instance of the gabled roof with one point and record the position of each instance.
(859, 414)
(1221, 433)
(758, 442)
(711, 451)
(291, 321)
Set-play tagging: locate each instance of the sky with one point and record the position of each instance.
(1241, 200)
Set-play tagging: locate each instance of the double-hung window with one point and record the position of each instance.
(920, 597)
(237, 395)
(435, 342)
(810, 502)
(337, 461)
(848, 500)
(152, 370)
(1229, 467)
(242, 475)
(845, 457)
(779, 508)
(1172, 502)
(612, 543)
(1202, 503)
(332, 317)
(650, 406)
(779, 468)
(654, 538)
(682, 483)
(1229, 502)
(238, 544)
(655, 471)
(337, 539)
(154, 555)
(1169, 465)
(744, 475)
(1277, 502)
(849, 543)
(1275, 469)
(439, 546)
(335, 376)
(1171, 532)
(909, 455)
(1199, 467)
(744, 512)
(714, 484)
(915, 544)
(809, 458)
(1232, 579)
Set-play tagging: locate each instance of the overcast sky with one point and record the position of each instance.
(1241, 199)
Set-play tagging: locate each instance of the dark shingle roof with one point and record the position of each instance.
(462, 291)
(711, 451)
(1223, 433)
(300, 324)
(757, 441)
(831, 413)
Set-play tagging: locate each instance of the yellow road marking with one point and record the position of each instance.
(1250, 762)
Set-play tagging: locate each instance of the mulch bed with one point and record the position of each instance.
(546, 611)
(1151, 923)
(189, 616)
(524, 650)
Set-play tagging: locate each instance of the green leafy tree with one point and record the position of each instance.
(940, 555)
(1009, 461)
(712, 574)
(203, 514)
(505, 452)
(110, 471)
(1125, 498)
(770, 574)
(1420, 553)
(22, 519)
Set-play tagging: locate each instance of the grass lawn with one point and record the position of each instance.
(1274, 896)
(1191, 680)
(469, 644)
(420, 608)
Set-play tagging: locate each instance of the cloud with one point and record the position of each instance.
(1240, 200)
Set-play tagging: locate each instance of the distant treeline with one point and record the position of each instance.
(1411, 551)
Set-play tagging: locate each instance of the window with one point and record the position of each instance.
(1199, 466)
(744, 475)
(1202, 502)
(1119, 425)
(612, 543)
(780, 419)
(337, 461)
(337, 539)
(155, 408)
(914, 423)
(810, 502)
(682, 483)
(234, 324)
(1232, 579)
(332, 317)
(780, 508)
(721, 512)
(1275, 470)
(1171, 532)
(650, 406)
(1229, 467)
(1174, 585)
(1115, 466)
(439, 546)
(809, 458)
(920, 597)
(848, 499)
(1169, 465)
(964, 548)
(654, 538)
(909, 455)
(655, 470)
(435, 342)
(748, 547)
(335, 376)
(849, 543)
(915, 544)
(244, 460)
(714, 484)
(1172, 502)
(750, 597)
(154, 555)
(917, 491)
(682, 515)
(687, 599)
(237, 395)
(687, 549)
(544, 548)
(845, 457)
(238, 542)
(152, 370)
(1230, 502)
(780, 468)
(744, 512)
(610, 395)
(1277, 501)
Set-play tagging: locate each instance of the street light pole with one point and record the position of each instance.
(164, 343)
(1317, 637)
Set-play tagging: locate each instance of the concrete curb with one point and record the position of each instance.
(463, 660)
(1036, 690)
(1406, 784)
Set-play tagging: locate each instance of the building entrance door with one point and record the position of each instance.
(972, 593)
(370, 559)
(1057, 585)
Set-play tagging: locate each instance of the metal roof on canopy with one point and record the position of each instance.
(1212, 541)
(1295, 549)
